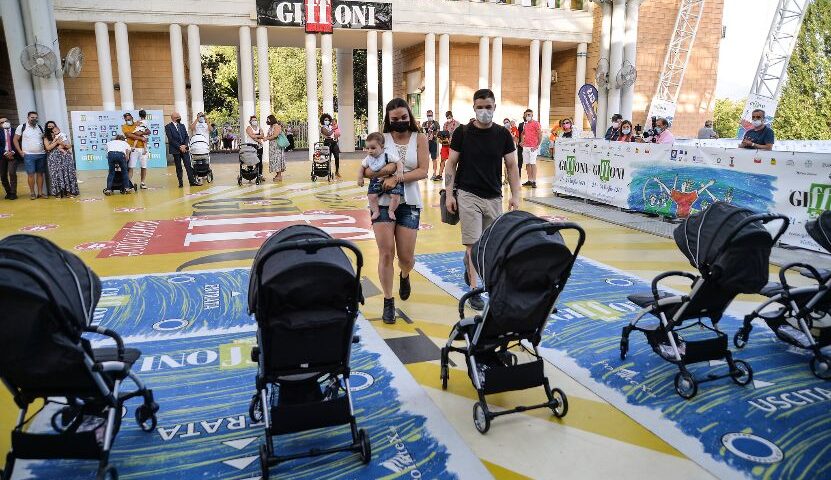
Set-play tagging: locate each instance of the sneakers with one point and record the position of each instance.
(143, 186)
(389, 311)
(528, 183)
(533, 184)
(476, 302)
(404, 289)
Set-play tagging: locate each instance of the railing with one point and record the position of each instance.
(561, 4)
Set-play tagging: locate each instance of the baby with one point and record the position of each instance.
(376, 160)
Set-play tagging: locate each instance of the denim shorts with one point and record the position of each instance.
(376, 186)
(34, 163)
(405, 215)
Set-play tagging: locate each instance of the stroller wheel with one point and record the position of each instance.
(239, 180)
(624, 347)
(146, 417)
(66, 417)
(107, 473)
(314, 177)
(264, 461)
(561, 409)
(685, 385)
(742, 374)
(445, 375)
(821, 367)
(257, 181)
(740, 338)
(210, 177)
(366, 447)
(255, 408)
(481, 418)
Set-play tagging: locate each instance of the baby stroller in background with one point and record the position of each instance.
(304, 294)
(248, 161)
(730, 247)
(524, 264)
(47, 298)
(799, 308)
(200, 155)
(118, 185)
(322, 163)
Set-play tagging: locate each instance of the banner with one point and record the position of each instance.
(588, 96)
(323, 15)
(679, 180)
(91, 130)
(755, 102)
(661, 109)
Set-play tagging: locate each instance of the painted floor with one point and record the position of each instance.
(595, 440)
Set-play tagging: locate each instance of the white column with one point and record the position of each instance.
(616, 55)
(105, 67)
(630, 48)
(444, 74)
(177, 60)
(346, 99)
(125, 71)
(311, 91)
(197, 97)
(496, 70)
(263, 84)
(39, 25)
(534, 77)
(327, 76)
(484, 67)
(580, 75)
(246, 81)
(386, 66)
(565, 4)
(24, 93)
(545, 85)
(428, 98)
(372, 80)
(605, 39)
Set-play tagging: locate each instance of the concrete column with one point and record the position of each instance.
(39, 24)
(327, 76)
(312, 116)
(346, 99)
(246, 78)
(125, 71)
(545, 85)
(197, 97)
(496, 70)
(24, 93)
(630, 55)
(605, 40)
(580, 75)
(372, 80)
(177, 60)
(428, 98)
(484, 67)
(105, 67)
(263, 84)
(444, 74)
(386, 66)
(534, 77)
(616, 55)
(565, 4)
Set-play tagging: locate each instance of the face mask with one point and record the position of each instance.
(129, 122)
(757, 123)
(507, 124)
(528, 118)
(177, 120)
(201, 119)
(615, 124)
(400, 127)
(7, 125)
(326, 122)
(449, 119)
(33, 122)
(484, 115)
(627, 131)
(429, 118)
(254, 123)
(659, 129)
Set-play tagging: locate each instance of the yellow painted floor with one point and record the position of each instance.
(595, 440)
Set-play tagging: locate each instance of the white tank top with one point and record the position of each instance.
(249, 139)
(412, 192)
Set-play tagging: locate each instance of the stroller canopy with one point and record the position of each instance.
(521, 274)
(820, 230)
(738, 263)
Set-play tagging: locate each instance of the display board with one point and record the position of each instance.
(91, 130)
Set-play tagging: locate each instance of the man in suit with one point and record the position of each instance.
(8, 159)
(177, 145)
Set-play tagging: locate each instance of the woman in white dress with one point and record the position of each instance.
(254, 136)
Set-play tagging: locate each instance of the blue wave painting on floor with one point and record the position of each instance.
(679, 190)
(777, 427)
(204, 383)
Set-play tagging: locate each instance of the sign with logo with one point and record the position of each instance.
(321, 16)
(588, 97)
(91, 130)
(661, 109)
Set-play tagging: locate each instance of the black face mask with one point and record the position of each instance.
(400, 127)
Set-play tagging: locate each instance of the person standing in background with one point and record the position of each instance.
(63, 180)
(707, 132)
(276, 158)
(329, 140)
(177, 145)
(531, 139)
(430, 128)
(254, 136)
(451, 124)
(28, 138)
(137, 145)
(9, 159)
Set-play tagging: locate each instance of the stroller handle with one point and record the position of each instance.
(765, 218)
(793, 265)
(550, 228)
(311, 246)
(37, 277)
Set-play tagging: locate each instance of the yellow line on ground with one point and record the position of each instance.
(502, 473)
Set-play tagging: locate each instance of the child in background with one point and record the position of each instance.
(376, 160)
(444, 140)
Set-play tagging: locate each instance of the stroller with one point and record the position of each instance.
(118, 184)
(524, 264)
(322, 163)
(304, 294)
(798, 309)
(730, 247)
(47, 298)
(200, 155)
(248, 164)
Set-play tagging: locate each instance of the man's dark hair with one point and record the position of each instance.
(528, 110)
(429, 112)
(394, 104)
(448, 113)
(484, 94)
(664, 121)
(142, 114)
(126, 114)
(375, 137)
(760, 111)
(27, 115)
(617, 116)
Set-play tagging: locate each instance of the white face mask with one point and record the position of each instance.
(326, 122)
(627, 131)
(757, 123)
(7, 125)
(201, 119)
(429, 118)
(528, 118)
(129, 122)
(255, 123)
(484, 115)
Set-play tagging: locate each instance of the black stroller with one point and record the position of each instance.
(249, 164)
(47, 297)
(730, 247)
(322, 162)
(304, 294)
(524, 264)
(796, 309)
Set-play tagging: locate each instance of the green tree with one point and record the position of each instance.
(726, 116)
(219, 82)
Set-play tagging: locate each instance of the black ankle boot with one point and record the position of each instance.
(389, 311)
(404, 288)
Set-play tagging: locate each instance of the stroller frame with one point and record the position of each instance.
(248, 172)
(322, 169)
(697, 351)
(511, 375)
(66, 421)
(340, 408)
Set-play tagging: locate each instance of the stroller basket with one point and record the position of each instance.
(80, 446)
(301, 417)
(498, 378)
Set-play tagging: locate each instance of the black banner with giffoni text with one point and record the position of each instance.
(321, 16)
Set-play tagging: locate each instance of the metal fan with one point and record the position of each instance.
(601, 75)
(73, 62)
(627, 75)
(39, 60)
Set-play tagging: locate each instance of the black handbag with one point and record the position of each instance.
(447, 217)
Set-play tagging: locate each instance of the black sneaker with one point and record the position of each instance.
(476, 302)
(389, 311)
(533, 184)
(527, 184)
(404, 289)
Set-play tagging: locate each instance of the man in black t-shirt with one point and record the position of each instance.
(474, 169)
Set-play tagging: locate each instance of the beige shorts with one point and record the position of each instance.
(138, 157)
(529, 156)
(476, 214)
